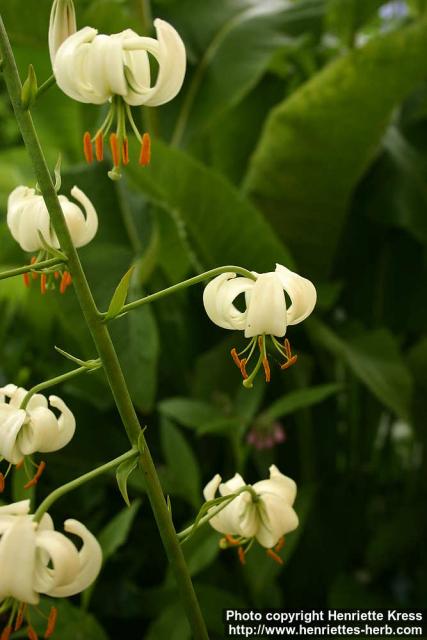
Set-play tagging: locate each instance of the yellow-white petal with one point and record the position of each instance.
(11, 423)
(169, 51)
(266, 311)
(218, 298)
(276, 519)
(17, 561)
(301, 291)
(90, 562)
(62, 24)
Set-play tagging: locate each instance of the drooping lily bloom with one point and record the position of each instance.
(35, 428)
(265, 313)
(35, 559)
(62, 24)
(27, 217)
(96, 68)
(264, 513)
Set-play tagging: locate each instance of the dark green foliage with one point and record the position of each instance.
(300, 137)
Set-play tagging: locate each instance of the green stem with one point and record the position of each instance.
(183, 285)
(33, 267)
(77, 482)
(103, 343)
(45, 86)
(53, 381)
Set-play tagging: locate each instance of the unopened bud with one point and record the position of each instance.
(62, 24)
(29, 89)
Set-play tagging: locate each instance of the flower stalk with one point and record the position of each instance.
(183, 285)
(78, 482)
(38, 266)
(91, 365)
(103, 343)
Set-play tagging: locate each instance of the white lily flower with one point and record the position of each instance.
(266, 312)
(62, 24)
(27, 217)
(35, 428)
(35, 559)
(97, 68)
(264, 513)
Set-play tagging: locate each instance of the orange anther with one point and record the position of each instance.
(125, 151)
(266, 365)
(287, 346)
(6, 633)
(43, 283)
(280, 544)
(231, 540)
(145, 155)
(26, 277)
(243, 362)
(20, 617)
(235, 357)
(56, 275)
(241, 554)
(33, 259)
(2, 483)
(114, 144)
(32, 635)
(289, 362)
(51, 623)
(99, 146)
(87, 147)
(36, 478)
(274, 556)
(64, 282)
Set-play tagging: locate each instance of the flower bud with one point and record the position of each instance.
(62, 24)
(29, 89)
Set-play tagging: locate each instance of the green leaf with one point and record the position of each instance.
(375, 359)
(137, 342)
(299, 399)
(112, 537)
(182, 464)
(123, 472)
(116, 532)
(224, 227)
(256, 27)
(190, 413)
(201, 549)
(72, 623)
(120, 295)
(171, 624)
(318, 142)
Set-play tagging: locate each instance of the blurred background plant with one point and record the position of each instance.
(300, 137)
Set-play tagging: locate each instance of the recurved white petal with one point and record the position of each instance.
(63, 555)
(301, 291)
(86, 231)
(70, 67)
(20, 508)
(17, 561)
(66, 424)
(169, 50)
(90, 559)
(11, 422)
(218, 298)
(212, 487)
(266, 311)
(276, 518)
(279, 485)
